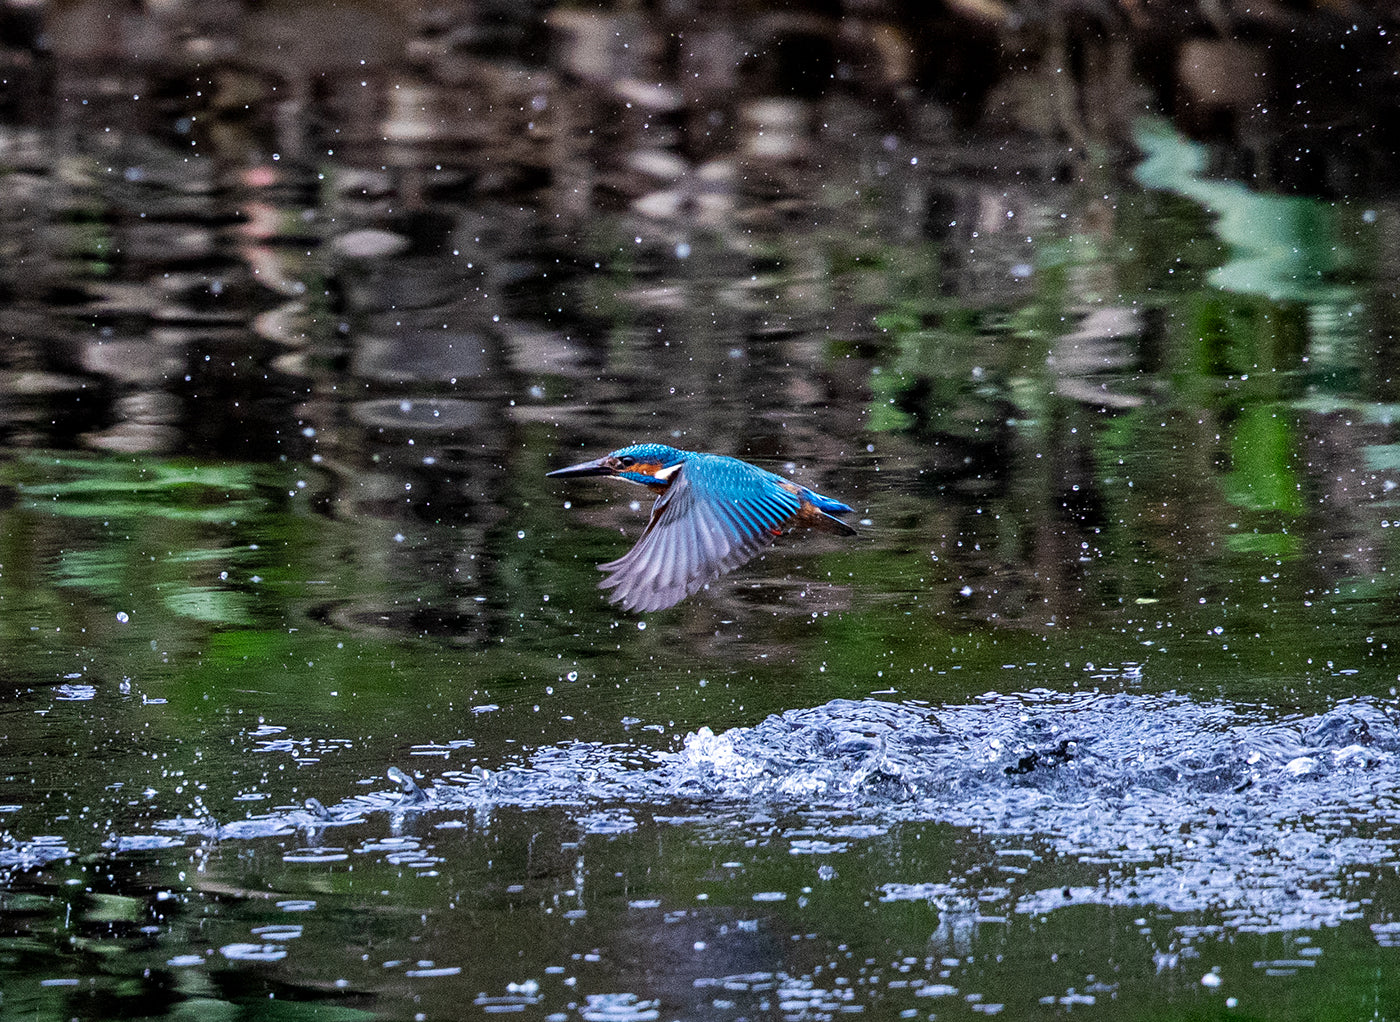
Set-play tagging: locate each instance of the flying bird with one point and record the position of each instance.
(713, 514)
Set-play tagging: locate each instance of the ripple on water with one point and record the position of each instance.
(1184, 804)
(253, 952)
(619, 1008)
(1191, 805)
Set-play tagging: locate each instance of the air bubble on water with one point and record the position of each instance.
(641, 626)
(123, 616)
(571, 676)
(520, 534)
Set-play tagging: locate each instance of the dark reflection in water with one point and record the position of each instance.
(1087, 312)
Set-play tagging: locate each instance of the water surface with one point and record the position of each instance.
(314, 708)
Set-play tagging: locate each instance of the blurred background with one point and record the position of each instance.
(1087, 308)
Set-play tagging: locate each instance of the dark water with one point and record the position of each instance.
(311, 706)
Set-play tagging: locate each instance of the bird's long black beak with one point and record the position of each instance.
(584, 468)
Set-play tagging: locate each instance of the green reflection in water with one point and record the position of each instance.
(148, 527)
(1282, 247)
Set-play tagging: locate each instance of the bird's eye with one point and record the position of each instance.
(626, 461)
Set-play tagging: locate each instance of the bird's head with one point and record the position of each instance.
(647, 464)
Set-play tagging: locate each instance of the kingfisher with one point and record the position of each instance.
(713, 514)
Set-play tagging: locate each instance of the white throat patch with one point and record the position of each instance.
(665, 474)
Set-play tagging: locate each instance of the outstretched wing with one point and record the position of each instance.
(698, 531)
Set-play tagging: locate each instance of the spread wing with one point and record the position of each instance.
(697, 532)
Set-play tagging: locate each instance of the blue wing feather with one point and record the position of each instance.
(699, 530)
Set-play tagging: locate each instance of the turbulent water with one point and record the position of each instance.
(1169, 801)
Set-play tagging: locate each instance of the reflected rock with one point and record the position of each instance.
(658, 164)
(587, 42)
(36, 383)
(1223, 73)
(775, 129)
(167, 244)
(1097, 394)
(439, 355)
(667, 205)
(363, 185)
(541, 351)
(668, 297)
(412, 115)
(150, 406)
(650, 97)
(276, 269)
(130, 360)
(284, 325)
(136, 438)
(705, 199)
(1099, 346)
(369, 243)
